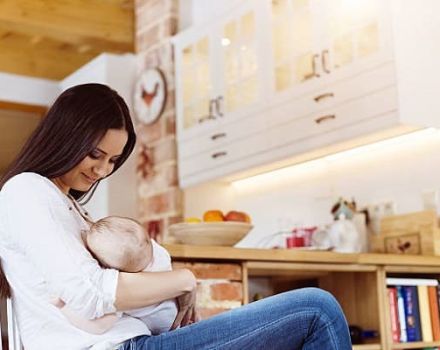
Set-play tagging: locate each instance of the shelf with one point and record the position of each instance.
(415, 345)
(367, 347)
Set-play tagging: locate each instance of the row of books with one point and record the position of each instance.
(414, 309)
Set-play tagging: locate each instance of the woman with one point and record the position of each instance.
(85, 137)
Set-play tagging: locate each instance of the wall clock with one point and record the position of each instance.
(150, 95)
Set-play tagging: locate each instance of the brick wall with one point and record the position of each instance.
(159, 197)
(219, 286)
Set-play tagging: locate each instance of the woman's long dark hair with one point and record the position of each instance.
(70, 131)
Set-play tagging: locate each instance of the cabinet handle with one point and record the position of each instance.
(219, 105)
(219, 154)
(210, 116)
(325, 118)
(324, 57)
(218, 136)
(324, 95)
(315, 73)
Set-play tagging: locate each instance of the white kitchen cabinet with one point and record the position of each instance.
(318, 42)
(336, 74)
(219, 73)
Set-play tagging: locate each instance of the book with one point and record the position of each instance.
(435, 316)
(425, 314)
(395, 327)
(412, 316)
(391, 281)
(401, 314)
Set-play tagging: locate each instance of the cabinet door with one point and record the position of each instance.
(295, 26)
(356, 36)
(195, 87)
(241, 70)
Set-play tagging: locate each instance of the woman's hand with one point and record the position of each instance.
(187, 314)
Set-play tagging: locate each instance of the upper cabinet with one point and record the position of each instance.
(317, 41)
(275, 79)
(219, 70)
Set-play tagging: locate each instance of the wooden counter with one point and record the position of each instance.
(189, 252)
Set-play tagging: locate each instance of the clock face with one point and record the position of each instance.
(150, 95)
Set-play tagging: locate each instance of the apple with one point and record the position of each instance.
(239, 216)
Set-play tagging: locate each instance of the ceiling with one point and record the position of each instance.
(53, 38)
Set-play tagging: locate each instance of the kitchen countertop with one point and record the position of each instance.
(192, 252)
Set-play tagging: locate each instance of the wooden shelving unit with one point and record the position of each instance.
(367, 347)
(415, 345)
(358, 281)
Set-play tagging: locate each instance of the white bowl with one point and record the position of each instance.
(226, 233)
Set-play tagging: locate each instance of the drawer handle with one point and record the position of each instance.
(315, 73)
(218, 136)
(219, 105)
(210, 116)
(324, 57)
(205, 118)
(322, 96)
(325, 118)
(219, 154)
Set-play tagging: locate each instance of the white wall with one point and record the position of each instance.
(27, 90)
(303, 195)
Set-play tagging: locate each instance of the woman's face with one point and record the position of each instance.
(97, 165)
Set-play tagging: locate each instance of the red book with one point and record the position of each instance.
(395, 327)
(434, 310)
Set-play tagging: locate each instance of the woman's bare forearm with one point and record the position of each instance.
(141, 289)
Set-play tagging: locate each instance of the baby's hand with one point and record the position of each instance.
(57, 302)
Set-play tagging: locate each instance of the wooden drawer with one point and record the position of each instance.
(333, 118)
(224, 154)
(323, 98)
(221, 135)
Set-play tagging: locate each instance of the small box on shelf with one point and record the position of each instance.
(413, 233)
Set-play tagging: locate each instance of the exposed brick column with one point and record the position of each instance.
(159, 197)
(219, 286)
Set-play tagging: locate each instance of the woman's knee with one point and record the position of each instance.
(317, 299)
(325, 303)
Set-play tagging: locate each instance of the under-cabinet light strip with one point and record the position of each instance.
(376, 146)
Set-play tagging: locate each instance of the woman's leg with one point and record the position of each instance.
(308, 319)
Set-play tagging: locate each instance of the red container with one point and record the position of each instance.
(294, 241)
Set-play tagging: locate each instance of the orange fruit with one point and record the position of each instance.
(213, 215)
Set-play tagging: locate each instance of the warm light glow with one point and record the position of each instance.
(226, 42)
(279, 175)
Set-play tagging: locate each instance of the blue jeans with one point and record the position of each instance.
(309, 319)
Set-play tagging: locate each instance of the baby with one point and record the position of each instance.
(122, 243)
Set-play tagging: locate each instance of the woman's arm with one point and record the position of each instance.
(140, 289)
(97, 326)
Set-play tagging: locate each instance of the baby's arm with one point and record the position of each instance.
(96, 326)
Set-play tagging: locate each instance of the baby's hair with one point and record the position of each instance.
(118, 242)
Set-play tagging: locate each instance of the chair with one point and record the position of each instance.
(14, 340)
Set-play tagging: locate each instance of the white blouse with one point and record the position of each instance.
(43, 256)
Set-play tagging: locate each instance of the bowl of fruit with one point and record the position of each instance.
(215, 229)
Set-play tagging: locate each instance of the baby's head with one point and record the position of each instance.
(120, 243)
